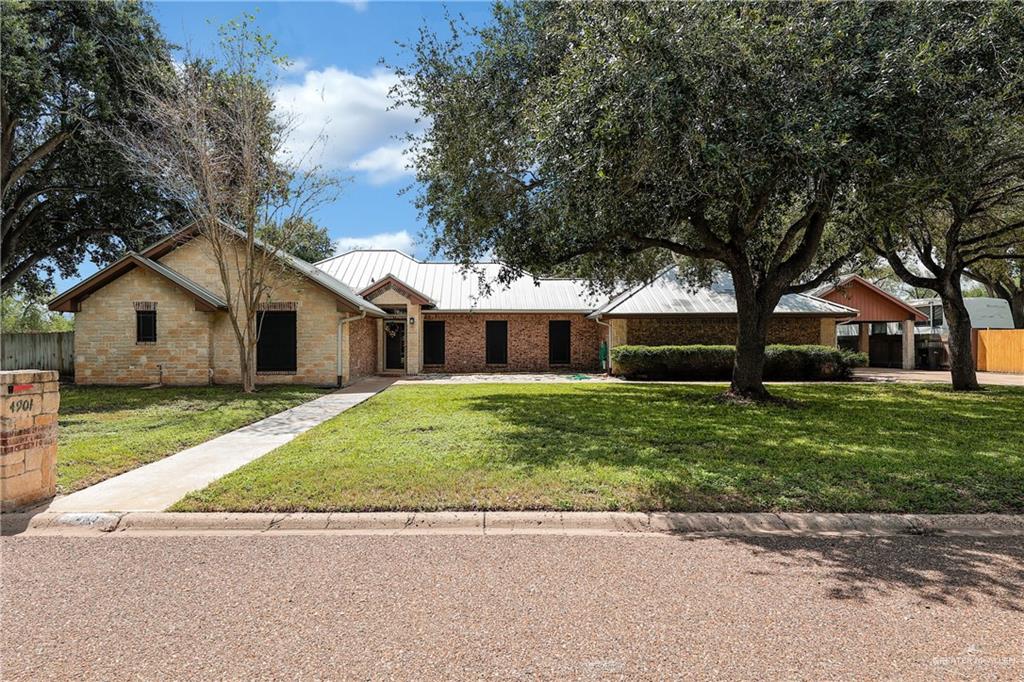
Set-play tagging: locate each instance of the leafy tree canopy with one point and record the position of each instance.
(613, 139)
(67, 70)
(956, 202)
(300, 236)
(26, 313)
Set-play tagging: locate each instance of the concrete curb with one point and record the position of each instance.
(511, 523)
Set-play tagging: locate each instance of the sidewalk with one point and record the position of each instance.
(156, 486)
(922, 376)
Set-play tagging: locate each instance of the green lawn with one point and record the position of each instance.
(108, 430)
(846, 447)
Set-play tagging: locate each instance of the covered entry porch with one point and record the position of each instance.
(883, 328)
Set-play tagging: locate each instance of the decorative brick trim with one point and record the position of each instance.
(145, 305)
(278, 306)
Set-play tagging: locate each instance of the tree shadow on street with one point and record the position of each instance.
(940, 569)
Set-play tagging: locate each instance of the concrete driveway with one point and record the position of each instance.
(535, 607)
(921, 376)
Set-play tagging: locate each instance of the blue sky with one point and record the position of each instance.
(338, 86)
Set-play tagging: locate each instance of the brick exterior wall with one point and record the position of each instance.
(362, 339)
(105, 348)
(28, 437)
(527, 342)
(668, 331)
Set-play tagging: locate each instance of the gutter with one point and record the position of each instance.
(343, 321)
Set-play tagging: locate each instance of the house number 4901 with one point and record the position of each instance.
(22, 405)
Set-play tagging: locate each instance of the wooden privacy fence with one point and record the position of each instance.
(1000, 350)
(40, 350)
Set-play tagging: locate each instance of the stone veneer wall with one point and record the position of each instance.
(667, 331)
(465, 346)
(29, 402)
(105, 348)
(191, 343)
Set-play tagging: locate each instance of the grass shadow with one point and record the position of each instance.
(843, 448)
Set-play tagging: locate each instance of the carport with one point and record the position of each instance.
(878, 311)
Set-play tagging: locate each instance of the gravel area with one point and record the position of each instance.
(536, 607)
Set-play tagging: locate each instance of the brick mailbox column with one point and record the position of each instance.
(29, 400)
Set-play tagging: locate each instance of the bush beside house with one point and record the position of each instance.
(796, 363)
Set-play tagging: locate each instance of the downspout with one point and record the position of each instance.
(608, 360)
(343, 321)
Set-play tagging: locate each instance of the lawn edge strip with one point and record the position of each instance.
(511, 523)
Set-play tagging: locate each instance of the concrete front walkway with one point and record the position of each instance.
(156, 486)
(923, 376)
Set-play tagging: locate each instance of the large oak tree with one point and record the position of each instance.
(608, 139)
(956, 205)
(66, 73)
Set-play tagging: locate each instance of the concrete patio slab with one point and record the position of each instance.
(156, 486)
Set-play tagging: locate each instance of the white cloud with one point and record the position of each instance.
(296, 65)
(400, 241)
(352, 112)
(383, 164)
(357, 5)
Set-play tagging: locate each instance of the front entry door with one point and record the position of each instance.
(394, 345)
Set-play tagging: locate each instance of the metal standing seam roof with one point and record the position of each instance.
(667, 294)
(455, 290)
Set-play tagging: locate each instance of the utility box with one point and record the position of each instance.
(29, 402)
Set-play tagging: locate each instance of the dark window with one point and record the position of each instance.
(275, 348)
(145, 326)
(433, 342)
(558, 342)
(497, 342)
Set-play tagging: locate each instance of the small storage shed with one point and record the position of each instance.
(876, 308)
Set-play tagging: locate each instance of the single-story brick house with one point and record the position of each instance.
(160, 316)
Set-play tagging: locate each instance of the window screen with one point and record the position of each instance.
(558, 342)
(497, 342)
(275, 347)
(433, 342)
(145, 326)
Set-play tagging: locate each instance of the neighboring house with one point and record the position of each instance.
(883, 327)
(933, 332)
(160, 316)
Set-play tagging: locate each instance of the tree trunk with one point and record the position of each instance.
(1017, 309)
(961, 360)
(752, 314)
(248, 366)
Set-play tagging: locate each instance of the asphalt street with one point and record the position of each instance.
(316, 606)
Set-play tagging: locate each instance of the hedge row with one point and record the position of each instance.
(798, 363)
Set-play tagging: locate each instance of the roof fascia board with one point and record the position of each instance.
(182, 236)
(417, 296)
(70, 300)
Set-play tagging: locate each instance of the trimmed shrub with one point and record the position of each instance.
(792, 363)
